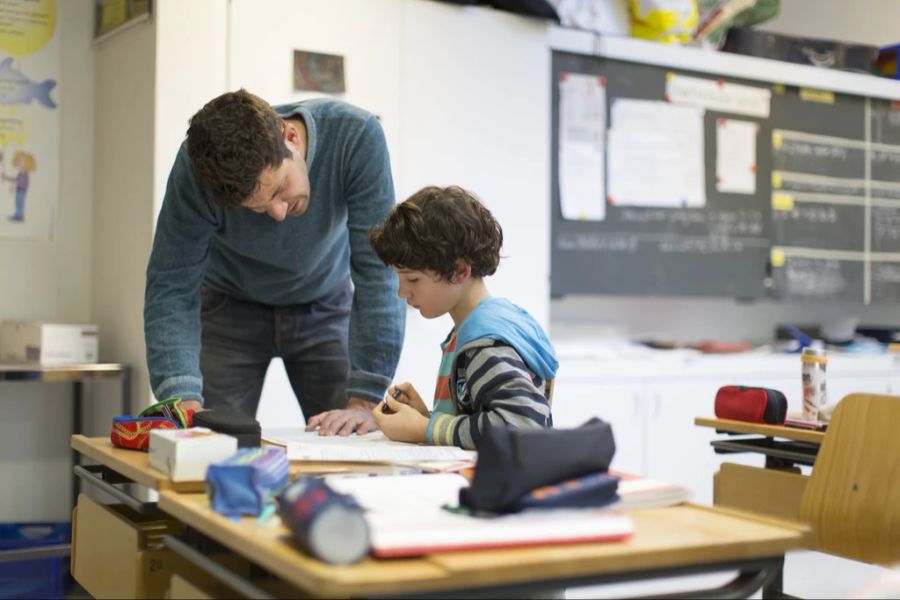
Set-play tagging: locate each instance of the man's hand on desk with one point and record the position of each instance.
(356, 418)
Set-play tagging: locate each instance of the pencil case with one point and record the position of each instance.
(248, 481)
(325, 523)
(231, 422)
(512, 462)
(134, 432)
(751, 404)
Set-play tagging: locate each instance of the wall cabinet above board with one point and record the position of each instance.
(685, 172)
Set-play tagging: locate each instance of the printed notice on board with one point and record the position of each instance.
(582, 130)
(656, 154)
(718, 95)
(736, 156)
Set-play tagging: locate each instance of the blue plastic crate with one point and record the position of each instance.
(37, 578)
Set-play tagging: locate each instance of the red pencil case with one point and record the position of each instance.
(752, 404)
(134, 432)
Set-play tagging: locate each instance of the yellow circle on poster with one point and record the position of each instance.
(26, 25)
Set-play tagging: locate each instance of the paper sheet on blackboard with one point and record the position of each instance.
(736, 156)
(582, 130)
(719, 95)
(656, 155)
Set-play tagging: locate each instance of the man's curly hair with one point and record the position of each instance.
(434, 228)
(231, 141)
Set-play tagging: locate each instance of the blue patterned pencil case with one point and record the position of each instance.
(248, 481)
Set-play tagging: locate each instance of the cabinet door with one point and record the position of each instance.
(621, 405)
(894, 386)
(678, 450)
(840, 386)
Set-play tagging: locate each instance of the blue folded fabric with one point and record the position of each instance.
(588, 491)
(248, 481)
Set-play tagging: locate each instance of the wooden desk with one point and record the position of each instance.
(684, 539)
(782, 446)
(852, 497)
(665, 540)
(135, 465)
(779, 431)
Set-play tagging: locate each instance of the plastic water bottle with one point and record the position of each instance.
(813, 362)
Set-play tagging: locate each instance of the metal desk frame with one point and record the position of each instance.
(76, 375)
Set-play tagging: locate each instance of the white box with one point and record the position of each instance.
(185, 454)
(47, 343)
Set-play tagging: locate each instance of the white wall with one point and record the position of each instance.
(51, 280)
(463, 98)
(873, 22)
(125, 68)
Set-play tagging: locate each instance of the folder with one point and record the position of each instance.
(411, 515)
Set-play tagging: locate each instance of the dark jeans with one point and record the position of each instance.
(240, 338)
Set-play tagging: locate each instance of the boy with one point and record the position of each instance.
(497, 361)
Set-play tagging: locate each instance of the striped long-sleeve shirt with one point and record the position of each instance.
(489, 385)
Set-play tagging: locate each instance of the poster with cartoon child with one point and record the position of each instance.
(29, 118)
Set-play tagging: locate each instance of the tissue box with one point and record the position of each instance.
(47, 343)
(185, 454)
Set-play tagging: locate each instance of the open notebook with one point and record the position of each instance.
(642, 492)
(406, 517)
(374, 447)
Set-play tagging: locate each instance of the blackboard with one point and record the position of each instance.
(822, 222)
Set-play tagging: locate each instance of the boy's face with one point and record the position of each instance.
(427, 292)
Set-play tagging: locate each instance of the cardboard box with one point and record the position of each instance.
(117, 552)
(49, 344)
(185, 454)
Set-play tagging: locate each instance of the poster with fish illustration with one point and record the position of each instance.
(29, 118)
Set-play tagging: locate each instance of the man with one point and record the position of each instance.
(262, 245)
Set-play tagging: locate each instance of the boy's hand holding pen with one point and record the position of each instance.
(384, 405)
(402, 415)
(405, 393)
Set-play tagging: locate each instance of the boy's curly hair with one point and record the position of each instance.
(230, 141)
(434, 228)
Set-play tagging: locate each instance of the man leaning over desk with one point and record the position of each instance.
(262, 250)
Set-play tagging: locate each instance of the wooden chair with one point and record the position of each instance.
(852, 498)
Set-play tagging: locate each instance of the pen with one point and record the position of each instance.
(384, 407)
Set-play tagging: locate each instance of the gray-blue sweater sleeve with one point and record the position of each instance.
(378, 315)
(175, 272)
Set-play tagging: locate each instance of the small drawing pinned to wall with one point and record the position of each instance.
(316, 72)
(25, 164)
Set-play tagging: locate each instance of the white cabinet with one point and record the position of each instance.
(840, 386)
(652, 403)
(677, 450)
(894, 386)
(621, 405)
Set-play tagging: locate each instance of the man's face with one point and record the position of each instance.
(283, 191)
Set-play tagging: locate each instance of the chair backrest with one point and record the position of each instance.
(853, 496)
